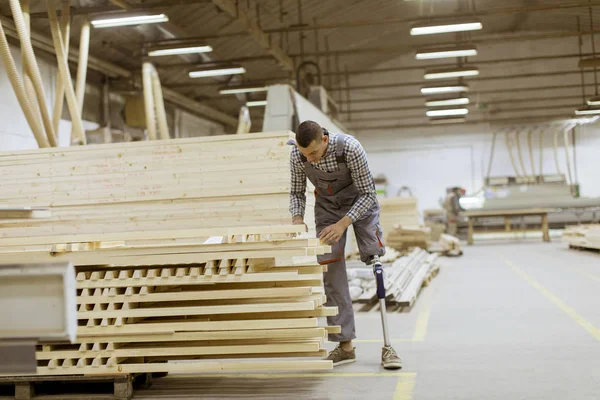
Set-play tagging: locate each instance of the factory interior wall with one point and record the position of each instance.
(428, 160)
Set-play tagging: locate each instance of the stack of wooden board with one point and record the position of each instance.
(184, 301)
(403, 279)
(217, 181)
(407, 237)
(398, 211)
(583, 236)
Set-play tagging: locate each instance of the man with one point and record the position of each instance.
(453, 208)
(345, 194)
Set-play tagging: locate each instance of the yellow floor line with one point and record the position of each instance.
(422, 322)
(588, 326)
(405, 387)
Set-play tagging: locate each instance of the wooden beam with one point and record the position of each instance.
(231, 8)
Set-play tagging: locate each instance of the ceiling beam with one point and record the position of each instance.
(492, 121)
(467, 81)
(387, 21)
(231, 8)
(403, 49)
(472, 93)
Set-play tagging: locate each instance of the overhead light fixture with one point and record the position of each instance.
(588, 111)
(258, 103)
(447, 112)
(432, 28)
(450, 120)
(203, 73)
(444, 89)
(446, 52)
(180, 50)
(451, 73)
(248, 89)
(594, 101)
(459, 101)
(127, 20)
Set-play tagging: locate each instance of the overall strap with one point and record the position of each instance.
(339, 148)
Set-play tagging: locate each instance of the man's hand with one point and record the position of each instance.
(298, 220)
(333, 233)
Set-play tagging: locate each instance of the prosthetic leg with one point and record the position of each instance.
(389, 358)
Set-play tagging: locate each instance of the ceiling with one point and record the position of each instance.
(528, 50)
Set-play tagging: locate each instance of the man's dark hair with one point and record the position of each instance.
(307, 132)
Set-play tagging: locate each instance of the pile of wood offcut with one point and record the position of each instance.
(582, 236)
(401, 224)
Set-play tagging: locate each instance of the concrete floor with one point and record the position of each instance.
(516, 320)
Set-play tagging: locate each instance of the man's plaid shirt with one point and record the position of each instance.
(356, 160)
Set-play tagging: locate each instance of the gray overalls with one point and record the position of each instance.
(335, 195)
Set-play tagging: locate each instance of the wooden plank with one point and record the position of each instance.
(200, 295)
(501, 213)
(200, 310)
(24, 212)
(203, 326)
(198, 367)
(300, 333)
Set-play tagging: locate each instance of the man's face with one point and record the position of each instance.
(315, 150)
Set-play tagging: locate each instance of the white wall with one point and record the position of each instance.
(430, 159)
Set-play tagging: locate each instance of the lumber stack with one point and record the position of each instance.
(217, 181)
(406, 237)
(583, 236)
(396, 211)
(401, 223)
(192, 302)
(403, 279)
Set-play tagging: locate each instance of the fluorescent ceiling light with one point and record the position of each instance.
(588, 111)
(444, 121)
(259, 103)
(217, 72)
(451, 73)
(444, 89)
(433, 28)
(459, 101)
(447, 112)
(447, 52)
(180, 50)
(249, 89)
(129, 20)
(594, 101)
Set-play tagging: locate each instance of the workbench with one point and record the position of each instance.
(508, 214)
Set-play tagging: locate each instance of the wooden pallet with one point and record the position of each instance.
(73, 387)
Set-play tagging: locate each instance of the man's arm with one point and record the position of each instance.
(297, 188)
(356, 160)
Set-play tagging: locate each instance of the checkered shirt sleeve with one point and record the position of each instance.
(356, 160)
(298, 184)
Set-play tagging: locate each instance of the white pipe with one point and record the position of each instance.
(59, 97)
(32, 66)
(27, 83)
(510, 153)
(84, 50)
(149, 100)
(568, 158)
(159, 104)
(556, 152)
(541, 140)
(19, 89)
(520, 154)
(531, 158)
(63, 67)
(492, 150)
